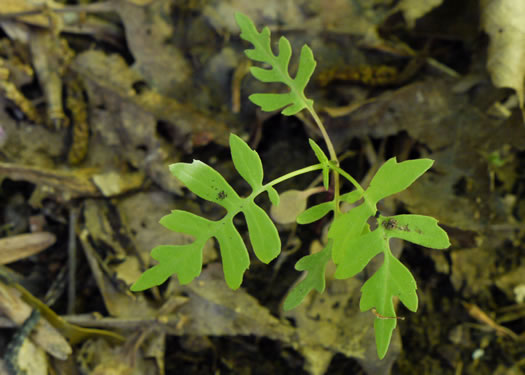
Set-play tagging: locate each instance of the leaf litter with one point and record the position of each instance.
(137, 84)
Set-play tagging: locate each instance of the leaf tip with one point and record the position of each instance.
(139, 285)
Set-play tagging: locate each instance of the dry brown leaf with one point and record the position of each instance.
(20, 6)
(32, 359)
(504, 21)
(148, 32)
(45, 335)
(110, 75)
(23, 245)
(59, 184)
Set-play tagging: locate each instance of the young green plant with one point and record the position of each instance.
(351, 243)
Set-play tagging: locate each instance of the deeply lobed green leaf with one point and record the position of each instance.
(315, 264)
(207, 183)
(392, 279)
(359, 252)
(293, 101)
(394, 177)
(346, 228)
(354, 246)
(418, 229)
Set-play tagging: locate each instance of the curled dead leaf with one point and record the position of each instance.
(504, 22)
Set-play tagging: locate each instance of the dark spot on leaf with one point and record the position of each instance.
(222, 195)
(390, 224)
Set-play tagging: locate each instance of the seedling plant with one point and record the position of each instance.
(351, 243)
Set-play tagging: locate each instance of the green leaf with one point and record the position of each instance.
(246, 161)
(207, 183)
(293, 101)
(346, 228)
(183, 260)
(394, 177)
(263, 234)
(235, 259)
(418, 229)
(354, 245)
(315, 264)
(186, 222)
(186, 261)
(383, 329)
(315, 213)
(273, 195)
(392, 279)
(351, 197)
(358, 253)
(323, 159)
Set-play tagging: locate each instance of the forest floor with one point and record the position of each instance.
(97, 99)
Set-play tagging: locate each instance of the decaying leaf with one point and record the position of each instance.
(32, 359)
(148, 31)
(64, 185)
(97, 357)
(217, 310)
(504, 21)
(51, 57)
(325, 319)
(114, 76)
(45, 335)
(23, 245)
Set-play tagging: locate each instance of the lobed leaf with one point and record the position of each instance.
(186, 261)
(359, 252)
(315, 265)
(418, 229)
(354, 245)
(394, 177)
(183, 260)
(346, 228)
(392, 279)
(293, 101)
(207, 183)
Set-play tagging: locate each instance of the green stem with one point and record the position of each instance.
(356, 184)
(287, 176)
(352, 180)
(333, 157)
(328, 141)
